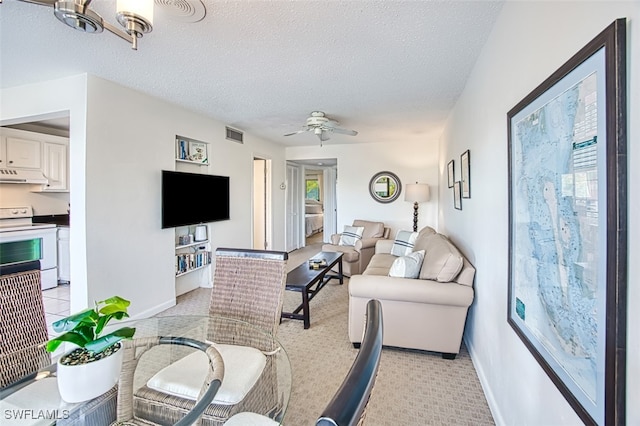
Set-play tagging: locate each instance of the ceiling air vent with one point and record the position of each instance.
(234, 135)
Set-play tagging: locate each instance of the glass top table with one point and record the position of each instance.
(36, 401)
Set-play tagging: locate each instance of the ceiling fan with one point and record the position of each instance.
(321, 126)
(135, 16)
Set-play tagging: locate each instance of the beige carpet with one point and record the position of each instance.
(412, 387)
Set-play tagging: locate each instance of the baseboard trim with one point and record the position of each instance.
(155, 310)
(491, 401)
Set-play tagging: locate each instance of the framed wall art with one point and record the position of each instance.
(450, 174)
(567, 226)
(464, 174)
(457, 195)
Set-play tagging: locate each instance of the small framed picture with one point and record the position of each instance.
(450, 174)
(457, 198)
(198, 152)
(464, 173)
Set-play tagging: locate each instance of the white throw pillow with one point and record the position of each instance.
(403, 244)
(350, 235)
(407, 266)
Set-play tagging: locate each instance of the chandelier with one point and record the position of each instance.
(135, 16)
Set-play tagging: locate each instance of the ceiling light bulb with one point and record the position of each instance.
(136, 16)
(142, 8)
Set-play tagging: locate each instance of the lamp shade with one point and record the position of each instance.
(417, 192)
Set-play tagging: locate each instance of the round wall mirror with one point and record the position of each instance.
(385, 187)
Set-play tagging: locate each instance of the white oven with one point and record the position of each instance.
(23, 241)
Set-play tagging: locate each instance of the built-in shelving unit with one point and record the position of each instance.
(191, 255)
(192, 151)
(191, 260)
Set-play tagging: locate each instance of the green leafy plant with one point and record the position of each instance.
(84, 328)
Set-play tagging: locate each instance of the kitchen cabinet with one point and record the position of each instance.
(20, 153)
(54, 167)
(64, 255)
(21, 149)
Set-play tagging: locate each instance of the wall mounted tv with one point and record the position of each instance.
(192, 198)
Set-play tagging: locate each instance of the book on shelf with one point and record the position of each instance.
(198, 152)
(182, 149)
(186, 262)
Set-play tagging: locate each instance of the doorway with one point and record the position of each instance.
(311, 202)
(261, 203)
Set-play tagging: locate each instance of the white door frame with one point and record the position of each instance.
(262, 195)
(294, 202)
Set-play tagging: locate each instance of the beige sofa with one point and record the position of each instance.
(356, 258)
(426, 313)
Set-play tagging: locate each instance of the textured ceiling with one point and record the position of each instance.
(391, 70)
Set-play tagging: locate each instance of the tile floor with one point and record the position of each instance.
(56, 304)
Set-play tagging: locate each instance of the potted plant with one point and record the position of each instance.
(94, 366)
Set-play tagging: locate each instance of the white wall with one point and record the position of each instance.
(528, 43)
(53, 99)
(116, 159)
(357, 163)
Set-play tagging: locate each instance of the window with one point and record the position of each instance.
(312, 189)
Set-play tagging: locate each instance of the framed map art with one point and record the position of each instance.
(567, 227)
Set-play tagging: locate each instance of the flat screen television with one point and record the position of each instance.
(192, 198)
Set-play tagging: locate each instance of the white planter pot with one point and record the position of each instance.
(77, 383)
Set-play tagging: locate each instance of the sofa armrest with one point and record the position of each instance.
(384, 246)
(366, 243)
(335, 239)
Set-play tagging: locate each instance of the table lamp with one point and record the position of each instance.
(416, 193)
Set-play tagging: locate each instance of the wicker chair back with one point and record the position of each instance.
(23, 327)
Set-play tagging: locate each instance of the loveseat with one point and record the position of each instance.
(356, 257)
(426, 313)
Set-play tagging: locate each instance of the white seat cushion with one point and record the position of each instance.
(250, 419)
(242, 368)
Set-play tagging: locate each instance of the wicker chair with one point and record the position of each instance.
(248, 286)
(23, 327)
(23, 333)
(349, 403)
(133, 351)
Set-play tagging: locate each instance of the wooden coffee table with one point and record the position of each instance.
(309, 282)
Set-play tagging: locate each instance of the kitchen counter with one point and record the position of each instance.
(56, 219)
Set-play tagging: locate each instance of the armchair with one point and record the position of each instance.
(356, 258)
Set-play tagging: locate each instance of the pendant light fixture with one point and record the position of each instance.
(136, 16)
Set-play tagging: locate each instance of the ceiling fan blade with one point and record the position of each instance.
(40, 2)
(344, 131)
(298, 132)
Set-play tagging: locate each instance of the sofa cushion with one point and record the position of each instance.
(380, 264)
(350, 235)
(403, 244)
(407, 266)
(442, 260)
(371, 229)
(423, 236)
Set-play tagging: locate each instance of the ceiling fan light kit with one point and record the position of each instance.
(136, 16)
(321, 125)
